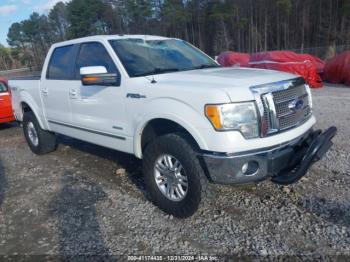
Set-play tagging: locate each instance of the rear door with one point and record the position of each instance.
(56, 85)
(5, 103)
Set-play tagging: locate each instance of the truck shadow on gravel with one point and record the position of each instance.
(8, 125)
(334, 212)
(3, 184)
(73, 210)
(130, 163)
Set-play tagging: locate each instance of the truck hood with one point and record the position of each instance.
(236, 82)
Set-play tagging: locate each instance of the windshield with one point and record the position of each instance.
(142, 58)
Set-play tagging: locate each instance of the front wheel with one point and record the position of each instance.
(173, 175)
(40, 141)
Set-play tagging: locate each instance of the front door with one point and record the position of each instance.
(99, 110)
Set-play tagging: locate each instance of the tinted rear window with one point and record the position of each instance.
(62, 63)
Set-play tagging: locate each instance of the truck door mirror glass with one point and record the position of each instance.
(98, 76)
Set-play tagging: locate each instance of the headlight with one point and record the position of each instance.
(237, 116)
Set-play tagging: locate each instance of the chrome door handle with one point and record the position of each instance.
(45, 91)
(73, 93)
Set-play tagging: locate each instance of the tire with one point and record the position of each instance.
(180, 148)
(45, 141)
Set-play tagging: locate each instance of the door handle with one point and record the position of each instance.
(45, 91)
(73, 93)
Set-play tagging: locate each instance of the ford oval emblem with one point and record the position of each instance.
(296, 105)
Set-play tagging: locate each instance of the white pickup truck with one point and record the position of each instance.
(192, 122)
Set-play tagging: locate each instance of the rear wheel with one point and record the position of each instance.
(40, 141)
(173, 175)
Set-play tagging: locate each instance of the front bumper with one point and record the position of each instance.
(284, 164)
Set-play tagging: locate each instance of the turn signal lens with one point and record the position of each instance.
(213, 114)
(91, 78)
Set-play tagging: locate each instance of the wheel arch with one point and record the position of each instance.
(29, 105)
(157, 126)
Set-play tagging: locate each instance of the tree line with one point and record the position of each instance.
(211, 25)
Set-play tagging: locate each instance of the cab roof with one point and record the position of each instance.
(108, 37)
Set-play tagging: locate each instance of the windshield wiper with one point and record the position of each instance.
(158, 71)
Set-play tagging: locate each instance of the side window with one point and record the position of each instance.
(94, 54)
(62, 63)
(3, 87)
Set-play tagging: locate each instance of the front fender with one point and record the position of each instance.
(174, 110)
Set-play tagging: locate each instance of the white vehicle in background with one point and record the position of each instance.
(192, 122)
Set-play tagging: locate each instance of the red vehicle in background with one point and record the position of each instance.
(6, 113)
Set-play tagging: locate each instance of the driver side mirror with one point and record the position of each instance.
(98, 76)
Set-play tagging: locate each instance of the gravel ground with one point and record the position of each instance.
(78, 200)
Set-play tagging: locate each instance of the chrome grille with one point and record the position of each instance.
(284, 109)
(294, 119)
(290, 93)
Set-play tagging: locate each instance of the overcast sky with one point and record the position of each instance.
(12, 11)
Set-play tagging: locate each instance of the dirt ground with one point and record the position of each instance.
(78, 201)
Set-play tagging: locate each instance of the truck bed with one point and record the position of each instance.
(34, 77)
(25, 86)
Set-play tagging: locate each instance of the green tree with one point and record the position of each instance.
(5, 58)
(37, 33)
(175, 18)
(212, 25)
(15, 36)
(137, 15)
(86, 18)
(59, 21)
(220, 13)
(31, 38)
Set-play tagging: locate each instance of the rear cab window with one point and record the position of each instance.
(62, 63)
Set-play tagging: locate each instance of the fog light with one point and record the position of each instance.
(244, 168)
(250, 168)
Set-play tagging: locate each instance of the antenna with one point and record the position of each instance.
(152, 80)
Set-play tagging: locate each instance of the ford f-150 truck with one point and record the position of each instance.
(192, 122)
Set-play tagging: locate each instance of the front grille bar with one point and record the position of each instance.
(291, 99)
(266, 103)
(271, 112)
